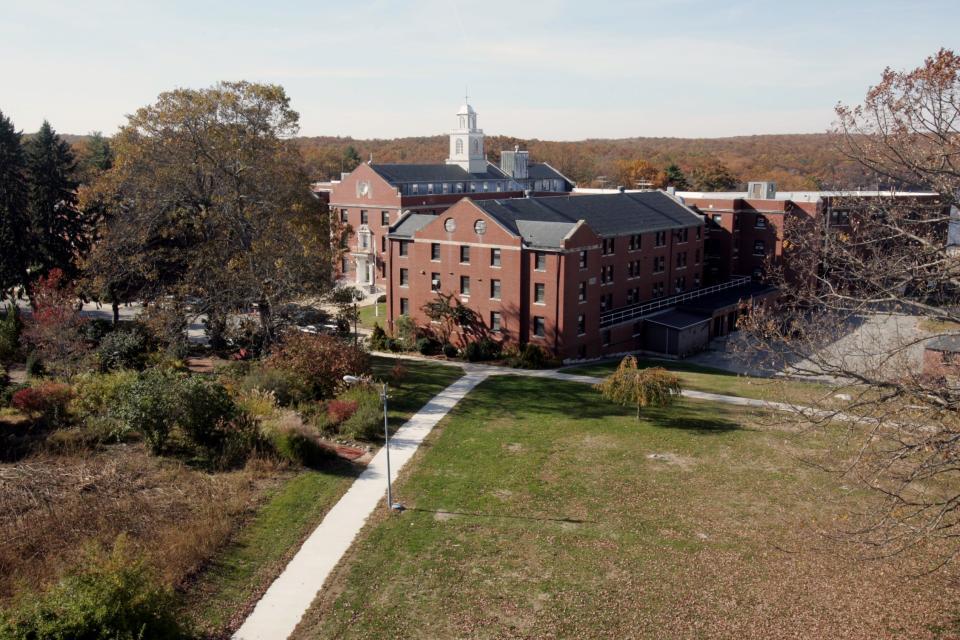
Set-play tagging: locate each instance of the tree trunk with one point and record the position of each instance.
(116, 311)
(266, 321)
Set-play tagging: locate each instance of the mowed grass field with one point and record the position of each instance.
(538, 510)
(699, 378)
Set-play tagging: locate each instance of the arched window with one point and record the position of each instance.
(459, 146)
(476, 146)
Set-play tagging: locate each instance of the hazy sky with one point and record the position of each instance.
(552, 70)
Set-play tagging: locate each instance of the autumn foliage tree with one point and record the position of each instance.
(632, 386)
(863, 260)
(319, 361)
(54, 331)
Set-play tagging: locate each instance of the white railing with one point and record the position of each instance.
(634, 311)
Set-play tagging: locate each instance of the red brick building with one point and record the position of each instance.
(582, 276)
(373, 196)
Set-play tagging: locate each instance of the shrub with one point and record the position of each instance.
(34, 365)
(203, 405)
(94, 330)
(236, 439)
(297, 445)
(382, 298)
(149, 406)
(531, 357)
(394, 345)
(122, 349)
(6, 394)
(287, 387)
(55, 328)
(96, 400)
(319, 360)
(427, 346)
(109, 596)
(47, 401)
(449, 350)
(406, 332)
(257, 403)
(366, 423)
(472, 352)
(340, 410)
(378, 338)
(10, 326)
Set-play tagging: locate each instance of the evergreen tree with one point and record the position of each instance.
(676, 178)
(98, 157)
(59, 231)
(715, 176)
(13, 223)
(351, 158)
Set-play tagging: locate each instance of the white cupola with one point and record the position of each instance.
(466, 142)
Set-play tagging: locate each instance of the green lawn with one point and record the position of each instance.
(700, 378)
(262, 548)
(368, 315)
(538, 510)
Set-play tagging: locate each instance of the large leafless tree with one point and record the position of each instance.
(865, 285)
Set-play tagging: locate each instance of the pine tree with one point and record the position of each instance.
(13, 222)
(98, 156)
(59, 231)
(676, 178)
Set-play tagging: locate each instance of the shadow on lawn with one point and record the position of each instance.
(507, 516)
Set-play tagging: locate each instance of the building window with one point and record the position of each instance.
(759, 248)
(657, 291)
(680, 284)
(494, 289)
(717, 219)
(429, 187)
(582, 292)
(633, 269)
(495, 321)
(608, 247)
(660, 239)
(681, 260)
(581, 324)
(364, 216)
(344, 215)
(760, 222)
(385, 218)
(605, 337)
(404, 307)
(606, 274)
(583, 259)
(446, 187)
(633, 295)
(540, 261)
(435, 281)
(683, 235)
(404, 277)
(659, 264)
(364, 239)
(539, 328)
(699, 232)
(383, 244)
(404, 249)
(464, 285)
(606, 302)
(459, 145)
(464, 254)
(696, 281)
(539, 293)
(415, 188)
(435, 251)
(494, 257)
(635, 242)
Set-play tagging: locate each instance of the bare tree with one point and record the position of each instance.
(865, 283)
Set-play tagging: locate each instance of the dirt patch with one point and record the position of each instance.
(684, 462)
(513, 447)
(444, 516)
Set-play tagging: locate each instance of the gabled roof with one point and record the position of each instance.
(543, 171)
(547, 235)
(396, 173)
(608, 215)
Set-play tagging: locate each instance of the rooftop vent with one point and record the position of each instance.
(762, 190)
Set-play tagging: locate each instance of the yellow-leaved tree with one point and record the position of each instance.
(632, 386)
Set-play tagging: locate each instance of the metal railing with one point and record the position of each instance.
(634, 311)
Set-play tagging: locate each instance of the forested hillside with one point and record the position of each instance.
(803, 161)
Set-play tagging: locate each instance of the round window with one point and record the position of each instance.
(450, 225)
(480, 226)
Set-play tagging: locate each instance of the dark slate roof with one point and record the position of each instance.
(607, 214)
(396, 173)
(410, 224)
(727, 297)
(547, 235)
(947, 344)
(679, 320)
(543, 171)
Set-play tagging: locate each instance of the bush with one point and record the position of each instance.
(406, 333)
(366, 422)
(122, 349)
(449, 350)
(203, 406)
(34, 365)
(286, 386)
(111, 596)
(531, 357)
(94, 330)
(47, 401)
(427, 346)
(257, 403)
(382, 298)
(297, 445)
(6, 394)
(340, 410)
(378, 338)
(96, 400)
(321, 361)
(10, 326)
(236, 439)
(150, 407)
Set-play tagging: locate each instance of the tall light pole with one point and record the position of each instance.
(396, 506)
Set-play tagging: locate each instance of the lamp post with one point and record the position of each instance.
(396, 506)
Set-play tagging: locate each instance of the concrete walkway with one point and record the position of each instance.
(288, 598)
